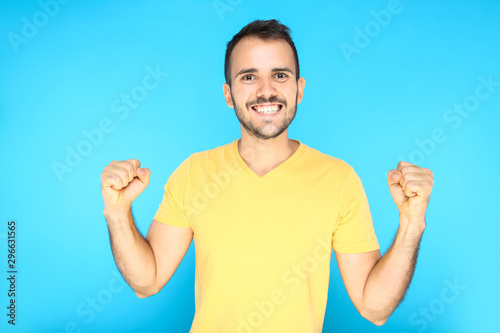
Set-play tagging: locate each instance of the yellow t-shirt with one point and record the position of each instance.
(263, 244)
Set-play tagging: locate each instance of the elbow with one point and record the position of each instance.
(379, 322)
(148, 290)
(143, 293)
(375, 317)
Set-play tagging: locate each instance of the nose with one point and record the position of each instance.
(266, 87)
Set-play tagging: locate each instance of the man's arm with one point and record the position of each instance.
(376, 284)
(146, 264)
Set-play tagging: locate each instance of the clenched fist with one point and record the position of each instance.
(411, 188)
(122, 182)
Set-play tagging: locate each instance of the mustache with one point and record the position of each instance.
(262, 100)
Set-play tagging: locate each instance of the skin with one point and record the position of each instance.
(146, 264)
(263, 72)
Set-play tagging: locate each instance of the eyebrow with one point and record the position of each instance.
(283, 69)
(254, 70)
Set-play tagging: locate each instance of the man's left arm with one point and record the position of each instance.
(376, 284)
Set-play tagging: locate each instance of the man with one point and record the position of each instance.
(265, 212)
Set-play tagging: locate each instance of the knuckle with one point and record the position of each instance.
(407, 169)
(134, 163)
(410, 185)
(123, 173)
(117, 182)
(107, 176)
(130, 165)
(125, 166)
(112, 177)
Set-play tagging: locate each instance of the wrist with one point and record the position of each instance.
(414, 223)
(411, 228)
(117, 211)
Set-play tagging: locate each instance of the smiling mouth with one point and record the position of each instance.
(267, 108)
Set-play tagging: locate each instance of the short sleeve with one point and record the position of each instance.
(354, 232)
(171, 210)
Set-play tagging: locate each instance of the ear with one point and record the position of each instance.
(301, 83)
(227, 95)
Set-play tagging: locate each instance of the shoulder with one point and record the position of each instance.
(325, 162)
(213, 154)
(208, 159)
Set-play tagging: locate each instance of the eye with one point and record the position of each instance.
(248, 77)
(281, 76)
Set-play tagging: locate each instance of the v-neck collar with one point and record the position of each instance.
(274, 171)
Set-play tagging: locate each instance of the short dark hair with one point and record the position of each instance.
(270, 29)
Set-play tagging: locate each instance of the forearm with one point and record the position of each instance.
(132, 253)
(390, 278)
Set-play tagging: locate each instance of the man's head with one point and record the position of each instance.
(265, 30)
(262, 78)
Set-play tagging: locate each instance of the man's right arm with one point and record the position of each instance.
(146, 264)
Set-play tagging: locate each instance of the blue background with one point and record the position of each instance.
(372, 107)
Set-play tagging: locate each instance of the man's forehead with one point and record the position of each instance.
(264, 54)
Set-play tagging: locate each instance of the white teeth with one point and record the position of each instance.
(267, 109)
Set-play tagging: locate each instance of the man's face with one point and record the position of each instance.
(264, 91)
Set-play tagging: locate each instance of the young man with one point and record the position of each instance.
(266, 211)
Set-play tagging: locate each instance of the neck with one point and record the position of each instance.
(262, 156)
